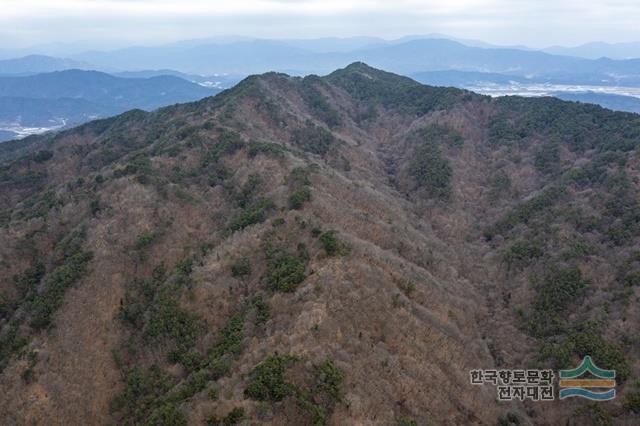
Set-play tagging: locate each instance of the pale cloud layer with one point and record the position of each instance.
(531, 22)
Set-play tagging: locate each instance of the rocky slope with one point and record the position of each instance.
(334, 250)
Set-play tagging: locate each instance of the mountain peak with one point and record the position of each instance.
(372, 85)
(361, 69)
(358, 66)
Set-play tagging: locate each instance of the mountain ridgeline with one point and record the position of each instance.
(320, 250)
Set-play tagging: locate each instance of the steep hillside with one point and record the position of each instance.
(328, 250)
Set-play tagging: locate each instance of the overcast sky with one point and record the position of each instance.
(532, 22)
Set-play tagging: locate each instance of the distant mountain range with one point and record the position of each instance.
(220, 81)
(407, 56)
(105, 89)
(238, 56)
(466, 78)
(618, 98)
(62, 98)
(614, 102)
(33, 64)
(599, 50)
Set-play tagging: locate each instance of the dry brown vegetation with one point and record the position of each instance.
(336, 250)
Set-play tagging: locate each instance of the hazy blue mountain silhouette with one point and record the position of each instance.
(75, 96)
